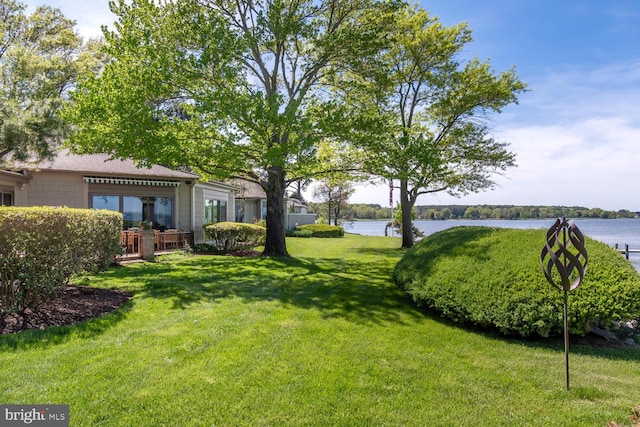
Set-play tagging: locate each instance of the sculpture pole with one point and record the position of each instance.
(566, 253)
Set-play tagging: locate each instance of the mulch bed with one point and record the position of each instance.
(75, 304)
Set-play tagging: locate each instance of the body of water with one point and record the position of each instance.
(610, 231)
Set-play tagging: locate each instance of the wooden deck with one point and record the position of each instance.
(164, 241)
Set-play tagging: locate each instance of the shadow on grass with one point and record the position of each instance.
(584, 346)
(36, 338)
(356, 290)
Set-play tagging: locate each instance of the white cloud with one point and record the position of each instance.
(89, 15)
(577, 140)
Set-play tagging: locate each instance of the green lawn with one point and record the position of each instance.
(324, 338)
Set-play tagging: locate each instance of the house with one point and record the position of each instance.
(170, 199)
(251, 206)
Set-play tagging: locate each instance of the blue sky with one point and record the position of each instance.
(576, 133)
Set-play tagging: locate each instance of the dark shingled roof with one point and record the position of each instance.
(248, 190)
(100, 164)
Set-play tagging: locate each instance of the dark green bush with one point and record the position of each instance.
(42, 248)
(299, 233)
(235, 236)
(492, 278)
(322, 230)
(204, 248)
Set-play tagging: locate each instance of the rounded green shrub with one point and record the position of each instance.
(235, 236)
(322, 230)
(491, 277)
(299, 233)
(43, 247)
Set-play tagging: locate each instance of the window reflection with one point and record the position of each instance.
(135, 209)
(132, 211)
(215, 211)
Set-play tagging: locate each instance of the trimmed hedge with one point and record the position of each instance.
(235, 236)
(42, 248)
(491, 277)
(321, 230)
(299, 233)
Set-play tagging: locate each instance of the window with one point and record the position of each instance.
(111, 203)
(135, 209)
(6, 199)
(215, 211)
(263, 209)
(132, 211)
(239, 213)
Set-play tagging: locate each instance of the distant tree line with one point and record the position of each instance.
(516, 212)
(357, 211)
(350, 212)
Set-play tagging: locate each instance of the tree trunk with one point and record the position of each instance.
(275, 244)
(406, 205)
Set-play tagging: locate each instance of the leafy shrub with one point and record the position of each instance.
(235, 236)
(491, 277)
(299, 233)
(204, 248)
(322, 230)
(42, 248)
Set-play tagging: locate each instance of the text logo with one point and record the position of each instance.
(34, 415)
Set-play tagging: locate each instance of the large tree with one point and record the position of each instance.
(430, 112)
(228, 87)
(40, 57)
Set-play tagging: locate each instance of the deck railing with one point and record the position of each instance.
(168, 240)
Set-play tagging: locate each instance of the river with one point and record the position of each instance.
(610, 231)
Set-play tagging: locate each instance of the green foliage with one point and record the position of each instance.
(320, 339)
(375, 211)
(432, 111)
(224, 87)
(333, 193)
(235, 236)
(42, 248)
(492, 278)
(322, 230)
(204, 248)
(39, 59)
(516, 212)
(299, 233)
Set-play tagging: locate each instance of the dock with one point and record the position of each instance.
(626, 251)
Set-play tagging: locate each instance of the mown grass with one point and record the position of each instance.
(324, 338)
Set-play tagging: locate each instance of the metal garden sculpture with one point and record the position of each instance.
(564, 262)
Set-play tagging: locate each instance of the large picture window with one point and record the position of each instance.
(215, 211)
(135, 209)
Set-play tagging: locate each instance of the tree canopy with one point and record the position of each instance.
(40, 57)
(230, 88)
(431, 109)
